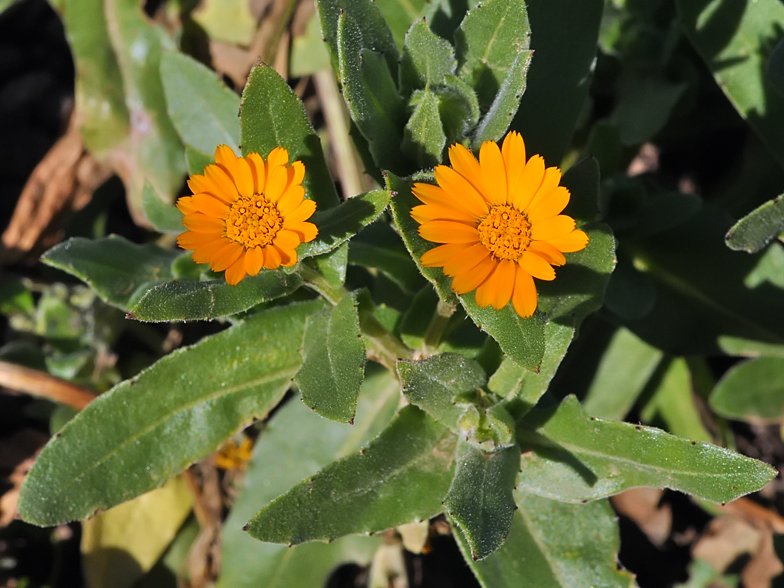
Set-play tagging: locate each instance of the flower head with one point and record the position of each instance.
(247, 213)
(500, 223)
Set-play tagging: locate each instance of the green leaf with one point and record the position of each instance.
(376, 34)
(308, 52)
(197, 300)
(775, 67)
(400, 14)
(371, 95)
(758, 228)
(573, 457)
(278, 464)
(147, 429)
(552, 103)
(333, 361)
(119, 271)
(204, 111)
(495, 123)
(164, 218)
(379, 247)
(332, 265)
(154, 143)
(426, 59)
(752, 390)
(554, 545)
(337, 225)
(271, 115)
(490, 39)
(226, 21)
(399, 477)
(433, 383)
(625, 368)
(423, 138)
(645, 104)
(459, 108)
(480, 498)
(735, 40)
(197, 160)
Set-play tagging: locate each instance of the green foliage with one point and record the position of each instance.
(164, 218)
(758, 228)
(752, 390)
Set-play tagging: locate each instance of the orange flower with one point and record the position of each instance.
(246, 213)
(500, 221)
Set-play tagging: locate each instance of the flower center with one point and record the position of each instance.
(253, 222)
(505, 231)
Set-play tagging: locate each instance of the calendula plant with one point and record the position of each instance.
(420, 323)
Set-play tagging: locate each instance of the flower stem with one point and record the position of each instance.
(435, 330)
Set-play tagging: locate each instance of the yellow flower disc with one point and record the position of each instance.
(246, 214)
(500, 222)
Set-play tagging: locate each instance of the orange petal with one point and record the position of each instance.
(276, 183)
(236, 271)
(504, 283)
(547, 252)
(224, 156)
(438, 256)
(428, 212)
(302, 212)
(243, 177)
(199, 183)
(485, 293)
(277, 157)
(295, 173)
(464, 163)
(286, 240)
(292, 197)
(536, 266)
(574, 241)
(550, 205)
(202, 223)
(461, 192)
(185, 205)
(471, 279)
(440, 231)
(524, 297)
(552, 228)
(513, 151)
(259, 172)
(305, 231)
(430, 194)
(226, 190)
(552, 176)
(288, 257)
(190, 240)
(529, 182)
(493, 172)
(271, 257)
(209, 205)
(467, 259)
(226, 256)
(254, 260)
(206, 251)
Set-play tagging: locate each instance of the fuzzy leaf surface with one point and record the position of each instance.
(401, 476)
(423, 138)
(333, 361)
(147, 429)
(164, 218)
(271, 115)
(758, 228)
(752, 390)
(571, 456)
(426, 59)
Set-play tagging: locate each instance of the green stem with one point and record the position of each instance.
(435, 330)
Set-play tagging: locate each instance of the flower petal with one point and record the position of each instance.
(225, 184)
(547, 252)
(206, 251)
(276, 183)
(471, 279)
(440, 255)
(185, 205)
(286, 240)
(485, 293)
(271, 257)
(259, 172)
(461, 193)
(254, 260)
(277, 157)
(552, 177)
(493, 172)
(468, 258)
(288, 257)
(574, 241)
(292, 197)
(552, 228)
(302, 212)
(236, 272)
(524, 298)
(199, 183)
(190, 240)
(305, 231)
(243, 177)
(226, 256)
(224, 155)
(209, 205)
(202, 223)
(536, 266)
(504, 283)
(513, 151)
(464, 163)
(295, 173)
(440, 231)
(529, 183)
(550, 205)
(428, 212)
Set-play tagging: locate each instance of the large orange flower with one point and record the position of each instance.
(246, 213)
(500, 221)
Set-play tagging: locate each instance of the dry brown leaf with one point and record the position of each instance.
(642, 506)
(17, 454)
(725, 539)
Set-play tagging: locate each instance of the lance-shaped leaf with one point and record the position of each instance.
(401, 476)
(554, 545)
(371, 96)
(752, 390)
(573, 457)
(165, 218)
(426, 59)
(459, 108)
(378, 246)
(147, 429)
(480, 498)
(271, 115)
(495, 123)
(332, 265)
(206, 300)
(400, 14)
(197, 160)
(333, 361)
(337, 225)
(119, 271)
(433, 383)
(489, 40)
(278, 464)
(204, 111)
(758, 228)
(423, 138)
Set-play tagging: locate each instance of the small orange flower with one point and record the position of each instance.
(246, 213)
(500, 221)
